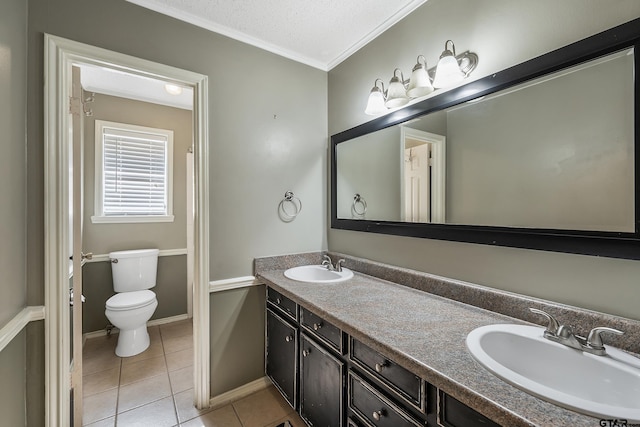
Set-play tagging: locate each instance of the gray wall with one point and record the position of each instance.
(104, 238)
(13, 69)
(268, 134)
(370, 166)
(551, 155)
(238, 331)
(503, 33)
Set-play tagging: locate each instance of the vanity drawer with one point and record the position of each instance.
(284, 304)
(452, 413)
(374, 408)
(402, 382)
(320, 328)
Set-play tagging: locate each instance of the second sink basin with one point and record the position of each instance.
(601, 386)
(318, 274)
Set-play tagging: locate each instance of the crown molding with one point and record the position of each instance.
(278, 50)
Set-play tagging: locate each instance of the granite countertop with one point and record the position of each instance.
(426, 334)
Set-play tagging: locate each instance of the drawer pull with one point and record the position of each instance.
(278, 301)
(317, 326)
(379, 414)
(288, 338)
(380, 366)
(305, 353)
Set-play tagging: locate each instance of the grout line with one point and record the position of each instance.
(115, 422)
(236, 412)
(166, 365)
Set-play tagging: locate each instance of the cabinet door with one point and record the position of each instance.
(281, 356)
(321, 385)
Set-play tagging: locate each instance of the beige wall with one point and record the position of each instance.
(104, 238)
(503, 33)
(13, 253)
(268, 134)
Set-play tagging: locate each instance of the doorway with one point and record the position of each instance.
(422, 176)
(61, 56)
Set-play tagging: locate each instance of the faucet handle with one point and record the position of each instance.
(552, 326)
(594, 340)
(339, 264)
(326, 261)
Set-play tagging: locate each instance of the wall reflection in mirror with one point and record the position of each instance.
(552, 153)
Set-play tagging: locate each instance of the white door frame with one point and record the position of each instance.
(60, 55)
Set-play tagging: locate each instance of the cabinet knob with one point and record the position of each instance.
(317, 326)
(305, 353)
(288, 338)
(379, 414)
(380, 366)
(278, 301)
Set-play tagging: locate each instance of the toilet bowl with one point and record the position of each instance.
(134, 273)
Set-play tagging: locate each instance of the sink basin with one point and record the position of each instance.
(600, 386)
(318, 274)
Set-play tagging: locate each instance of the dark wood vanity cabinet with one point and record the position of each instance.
(321, 385)
(334, 380)
(282, 356)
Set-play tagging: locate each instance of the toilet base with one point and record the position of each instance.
(132, 341)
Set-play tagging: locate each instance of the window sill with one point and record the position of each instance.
(130, 219)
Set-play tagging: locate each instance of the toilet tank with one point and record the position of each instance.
(134, 270)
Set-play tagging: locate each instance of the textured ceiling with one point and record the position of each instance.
(319, 33)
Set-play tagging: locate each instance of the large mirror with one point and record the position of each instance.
(541, 155)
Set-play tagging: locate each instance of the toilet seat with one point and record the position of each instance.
(130, 300)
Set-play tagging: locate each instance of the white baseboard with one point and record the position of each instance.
(154, 322)
(240, 392)
(165, 320)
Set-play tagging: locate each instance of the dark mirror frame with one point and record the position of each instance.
(608, 244)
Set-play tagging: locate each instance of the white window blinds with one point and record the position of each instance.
(135, 176)
(135, 173)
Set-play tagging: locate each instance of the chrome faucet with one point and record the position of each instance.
(326, 261)
(564, 335)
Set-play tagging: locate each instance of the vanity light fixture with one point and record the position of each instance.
(451, 69)
(375, 104)
(448, 70)
(420, 83)
(172, 89)
(397, 93)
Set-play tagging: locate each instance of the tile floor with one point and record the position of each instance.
(155, 388)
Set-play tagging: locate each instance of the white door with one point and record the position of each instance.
(417, 183)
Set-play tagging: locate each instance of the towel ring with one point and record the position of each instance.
(358, 200)
(289, 199)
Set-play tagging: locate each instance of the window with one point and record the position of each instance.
(133, 173)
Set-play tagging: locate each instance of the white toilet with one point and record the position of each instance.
(134, 273)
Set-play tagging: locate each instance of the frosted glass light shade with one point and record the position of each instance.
(375, 104)
(396, 94)
(419, 84)
(448, 72)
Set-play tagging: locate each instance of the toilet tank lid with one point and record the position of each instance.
(136, 253)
